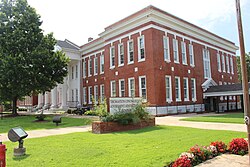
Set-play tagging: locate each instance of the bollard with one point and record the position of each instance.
(2, 155)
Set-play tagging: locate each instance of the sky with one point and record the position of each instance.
(77, 20)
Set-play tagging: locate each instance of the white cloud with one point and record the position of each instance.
(77, 19)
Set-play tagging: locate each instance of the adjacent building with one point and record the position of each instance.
(151, 54)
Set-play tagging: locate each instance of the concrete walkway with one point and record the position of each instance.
(175, 121)
(51, 132)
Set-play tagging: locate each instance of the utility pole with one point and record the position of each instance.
(244, 73)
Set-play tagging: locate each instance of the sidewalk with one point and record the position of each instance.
(51, 132)
(175, 121)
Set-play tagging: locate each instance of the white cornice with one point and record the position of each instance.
(95, 45)
(171, 22)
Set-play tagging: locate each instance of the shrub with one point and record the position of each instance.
(220, 146)
(183, 161)
(238, 146)
(123, 117)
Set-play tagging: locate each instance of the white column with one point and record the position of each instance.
(54, 98)
(40, 100)
(64, 97)
(46, 103)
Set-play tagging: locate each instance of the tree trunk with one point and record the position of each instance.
(14, 106)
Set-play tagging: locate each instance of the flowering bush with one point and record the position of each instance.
(183, 161)
(200, 154)
(220, 146)
(238, 146)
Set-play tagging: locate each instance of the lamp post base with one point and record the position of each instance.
(19, 151)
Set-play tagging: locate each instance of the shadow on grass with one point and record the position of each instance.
(138, 131)
(20, 158)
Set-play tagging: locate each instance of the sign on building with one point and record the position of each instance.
(124, 104)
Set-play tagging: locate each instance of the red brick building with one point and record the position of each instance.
(157, 56)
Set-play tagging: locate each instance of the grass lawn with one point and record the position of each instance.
(28, 123)
(146, 147)
(236, 118)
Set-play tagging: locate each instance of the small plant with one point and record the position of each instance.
(183, 161)
(238, 146)
(199, 154)
(220, 146)
(41, 117)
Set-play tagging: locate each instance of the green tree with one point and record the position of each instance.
(28, 62)
(239, 66)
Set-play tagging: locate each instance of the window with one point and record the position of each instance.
(143, 87)
(90, 67)
(72, 72)
(76, 71)
(113, 88)
(168, 89)
(102, 64)
(227, 64)
(76, 95)
(232, 65)
(177, 89)
(120, 55)
(121, 88)
(186, 89)
(131, 87)
(166, 48)
(218, 62)
(84, 72)
(141, 49)
(112, 57)
(130, 52)
(193, 89)
(183, 52)
(102, 93)
(175, 48)
(206, 63)
(223, 63)
(96, 93)
(96, 65)
(72, 95)
(90, 94)
(191, 54)
(84, 95)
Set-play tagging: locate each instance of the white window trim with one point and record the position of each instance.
(206, 52)
(84, 95)
(218, 62)
(119, 55)
(128, 54)
(111, 88)
(168, 50)
(191, 50)
(183, 51)
(223, 63)
(139, 49)
(175, 42)
(96, 93)
(89, 72)
(232, 64)
(120, 91)
(169, 100)
(187, 89)
(129, 88)
(179, 89)
(102, 57)
(95, 64)
(140, 88)
(90, 94)
(194, 99)
(84, 71)
(228, 65)
(110, 57)
(101, 96)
